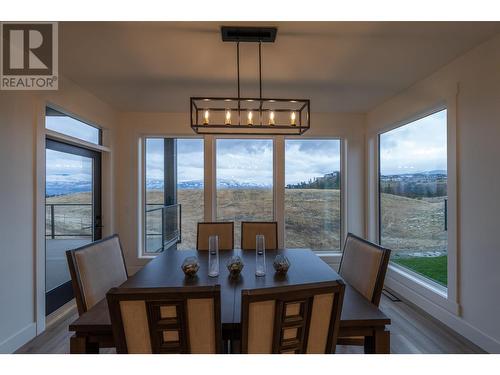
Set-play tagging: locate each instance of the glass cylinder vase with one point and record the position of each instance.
(213, 256)
(260, 255)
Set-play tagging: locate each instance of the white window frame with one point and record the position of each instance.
(74, 140)
(413, 286)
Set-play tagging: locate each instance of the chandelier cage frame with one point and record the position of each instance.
(249, 115)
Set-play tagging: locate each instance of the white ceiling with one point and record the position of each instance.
(340, 66)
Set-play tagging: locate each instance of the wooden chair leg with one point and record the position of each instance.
(379, 343)
(80, 345)
(382, 342)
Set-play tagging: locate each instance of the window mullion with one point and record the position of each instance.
(279, 188)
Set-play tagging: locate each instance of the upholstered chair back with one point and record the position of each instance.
(225, 231)
(291, 320)
(95, 268)
(249, 230)
(166, 320)
(363, 266)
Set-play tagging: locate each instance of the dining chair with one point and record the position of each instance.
(250, 229)
(291, 319)
(166, 320)
(94, 269)
(225, 231)
(363, 266)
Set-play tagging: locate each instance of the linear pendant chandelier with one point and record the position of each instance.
(243, 115)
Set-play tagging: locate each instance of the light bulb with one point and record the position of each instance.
(271, 118)
(250, 118)
(292, 119)
(205, 117)
(228, 117)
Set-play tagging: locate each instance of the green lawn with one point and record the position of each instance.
(435, 268)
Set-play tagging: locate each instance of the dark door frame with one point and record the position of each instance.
(57, 297)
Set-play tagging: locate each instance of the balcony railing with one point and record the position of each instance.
(68, 220)
(163, 227)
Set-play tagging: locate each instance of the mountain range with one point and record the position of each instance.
(53, 188)
(198, 184)
(61, 187)
(69, 187)
(436, 172)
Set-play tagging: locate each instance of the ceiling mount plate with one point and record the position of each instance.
(248, 34)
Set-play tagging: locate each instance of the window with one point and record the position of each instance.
(413, 195)
(244, 190)
(244, 181)
(174, 192)
(64, 124)
(312, 194)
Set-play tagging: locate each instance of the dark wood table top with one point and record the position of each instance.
(306, 267)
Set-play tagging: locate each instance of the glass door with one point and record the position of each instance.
(72, 213)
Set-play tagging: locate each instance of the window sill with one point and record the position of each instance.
(148, 256)
(419, 290)
(332, 258)
(332, 255)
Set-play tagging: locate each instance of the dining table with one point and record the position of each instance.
(359, 317)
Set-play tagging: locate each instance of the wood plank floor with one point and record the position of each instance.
(412, 332)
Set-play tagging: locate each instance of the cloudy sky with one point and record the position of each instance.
(307, 159)
(72, 127)
(248, 160)
(68, 168)
(245, 161)
(417, 147)
(63, 167)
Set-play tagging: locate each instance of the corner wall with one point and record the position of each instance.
(471, 86)
(22, 195)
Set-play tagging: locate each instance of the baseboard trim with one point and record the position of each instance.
(457, 324)
(18, 339)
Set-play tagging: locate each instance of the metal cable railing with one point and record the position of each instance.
(68, 220)
(163, 227)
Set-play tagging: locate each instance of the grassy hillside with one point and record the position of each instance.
(312, 218)
(413, 225)
(414, 230)
(435, 268)
(84, 198)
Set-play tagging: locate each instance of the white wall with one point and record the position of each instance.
(17, 309)
(22, 169)
(470, 86)
(133, 126)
